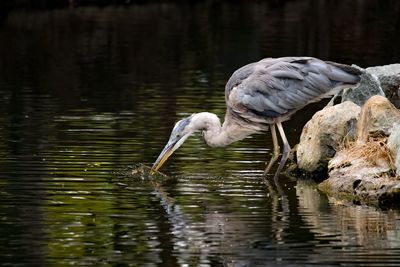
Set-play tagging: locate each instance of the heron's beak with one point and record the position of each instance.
(171, 146)
(164, 155)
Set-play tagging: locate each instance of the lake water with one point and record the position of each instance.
(87, 93)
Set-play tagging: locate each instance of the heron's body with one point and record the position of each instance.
(261, 95)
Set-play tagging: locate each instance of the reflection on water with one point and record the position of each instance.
(89, 91)
(374, 232)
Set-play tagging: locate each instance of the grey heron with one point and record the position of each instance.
(262, 95)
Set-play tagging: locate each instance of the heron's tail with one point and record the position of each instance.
(345, 73)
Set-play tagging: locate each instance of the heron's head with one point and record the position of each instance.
(181, 131)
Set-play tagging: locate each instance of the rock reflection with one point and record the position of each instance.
(362, 226)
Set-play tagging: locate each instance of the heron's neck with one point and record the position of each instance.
(216, 135)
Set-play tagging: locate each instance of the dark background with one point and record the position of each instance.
(54, 43)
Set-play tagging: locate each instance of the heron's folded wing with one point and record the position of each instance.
(286, 85)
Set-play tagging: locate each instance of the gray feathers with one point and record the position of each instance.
(259, 96)
(180, 125)
(277, 87)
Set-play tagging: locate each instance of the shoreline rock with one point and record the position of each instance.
(394, 145)
(377, 118)
(357, 150)
(363, 174)
(368, 87)
(389, 79)
(325, 134)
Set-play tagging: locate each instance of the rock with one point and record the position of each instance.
(377, 118)
(394, 145)
(368, 87)
(365, 173)
(325, 134)
(380, 80)
(357, 179)
(389, 78)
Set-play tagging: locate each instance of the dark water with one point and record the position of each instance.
(88, 91)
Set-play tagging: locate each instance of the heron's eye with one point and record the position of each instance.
(178, 136)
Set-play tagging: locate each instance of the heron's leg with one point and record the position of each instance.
(275, 153)
(332, 101)
(285, 153)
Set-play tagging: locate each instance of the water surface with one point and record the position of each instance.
(89, 91)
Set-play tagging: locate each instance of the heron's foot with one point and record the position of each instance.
(271, 162)
(285, 155)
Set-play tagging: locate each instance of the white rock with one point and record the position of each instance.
(394, 145)
(324, 134)
(377, 118)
